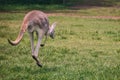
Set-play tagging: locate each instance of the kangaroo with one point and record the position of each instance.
(35, 21)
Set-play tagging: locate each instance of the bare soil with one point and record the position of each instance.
(74, 15)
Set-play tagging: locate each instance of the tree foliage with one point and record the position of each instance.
(73, 2)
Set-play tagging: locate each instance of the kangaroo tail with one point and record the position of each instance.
(20, 36)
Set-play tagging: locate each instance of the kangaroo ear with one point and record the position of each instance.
(52, 27)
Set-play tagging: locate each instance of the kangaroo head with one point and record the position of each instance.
(52, 31)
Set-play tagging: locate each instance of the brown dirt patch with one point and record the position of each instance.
(80, 16)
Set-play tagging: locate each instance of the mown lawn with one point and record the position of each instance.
(84, 49)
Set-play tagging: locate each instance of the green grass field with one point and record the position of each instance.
(83, 49)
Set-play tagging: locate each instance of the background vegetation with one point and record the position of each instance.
(81, 2)
(48, 5)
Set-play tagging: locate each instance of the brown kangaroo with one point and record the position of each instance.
(35, 21)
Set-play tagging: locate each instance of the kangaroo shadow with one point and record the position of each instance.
(46, 70)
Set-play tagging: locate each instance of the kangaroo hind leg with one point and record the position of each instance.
(35, 54)
(32, 48)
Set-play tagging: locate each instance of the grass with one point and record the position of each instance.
(84, 49)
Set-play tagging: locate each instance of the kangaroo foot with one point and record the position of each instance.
(38, 63)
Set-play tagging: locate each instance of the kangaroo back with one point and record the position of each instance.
(32, 18)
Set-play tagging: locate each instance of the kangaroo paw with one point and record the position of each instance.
(42, 45)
